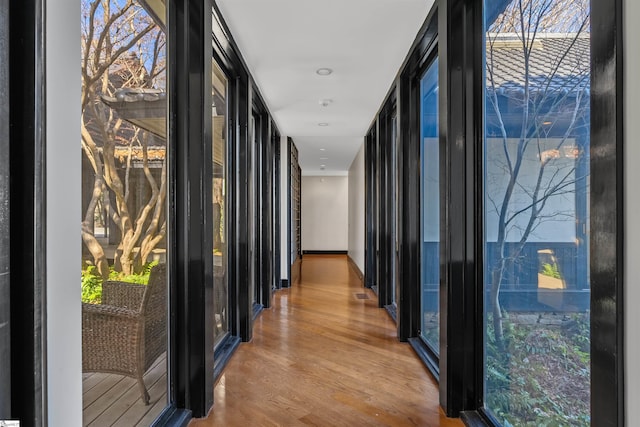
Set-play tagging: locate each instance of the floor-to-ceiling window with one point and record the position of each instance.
(536, 210)
(124, 212)
(430, 208)
(371, 259)
(386, 219)
(220, 203)
(397, 213)
(254, 220)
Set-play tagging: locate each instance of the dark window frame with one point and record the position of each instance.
(191, 267)
(461, 364)
(422, 56)
(27, 202)
(191, 354)
(277, 209)
(386, 190)
(265, 267)
(462, 21)
(228, 57)
(607, 215)
(371, 207)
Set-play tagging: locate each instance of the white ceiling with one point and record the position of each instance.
(284, 42)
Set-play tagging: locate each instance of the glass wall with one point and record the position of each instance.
(536, 227)
(220, 230)
(253, 231)
(124, 212)
(394, 227)
(430, 208)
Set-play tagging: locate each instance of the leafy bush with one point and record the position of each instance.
(92, 281)
(541, 378)
(551, 270)
(91, 285)
(141, 278)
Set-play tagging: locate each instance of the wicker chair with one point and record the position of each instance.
(127, 332)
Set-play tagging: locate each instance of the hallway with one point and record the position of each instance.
(323, 355)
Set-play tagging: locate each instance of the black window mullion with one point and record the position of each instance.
(267, 215)
(606, 240)
(24, 41)
(408, 315)
(460, 47)
(191, 288)
(243, 144)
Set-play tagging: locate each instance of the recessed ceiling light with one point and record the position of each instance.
(324, 71)
(323, 149)
(322, 166)
(323, 124)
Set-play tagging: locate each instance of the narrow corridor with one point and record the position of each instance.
(325, 355)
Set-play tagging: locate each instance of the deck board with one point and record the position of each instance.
(110, 399)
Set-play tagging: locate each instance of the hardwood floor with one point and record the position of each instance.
(324, 356)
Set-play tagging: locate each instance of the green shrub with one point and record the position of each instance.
(91, 285)
(551, 270)
(92, 282)
(540, 377)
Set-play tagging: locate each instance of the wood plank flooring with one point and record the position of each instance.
(114, 400)
(323, 356)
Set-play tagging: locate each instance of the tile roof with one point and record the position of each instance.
(557, 63)
(143, 107)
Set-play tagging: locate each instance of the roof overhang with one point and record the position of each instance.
(145, 108)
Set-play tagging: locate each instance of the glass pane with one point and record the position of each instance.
(536, 167)
(220, 236)
(124, 212)
(252, 232)
(430, 206)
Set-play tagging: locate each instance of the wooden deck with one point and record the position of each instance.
(325, 355)
(114, 400)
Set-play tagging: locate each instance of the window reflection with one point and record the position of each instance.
(536, 167)
(124, 212)
(430, 206)
(220, 279)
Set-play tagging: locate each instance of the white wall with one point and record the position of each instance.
(631, 57)
(64, 349)
(284, 208)
(325, 213)
(356, 209)
(560, 224)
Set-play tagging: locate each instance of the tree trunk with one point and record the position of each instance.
(127, 255)
(99, 258)
(496, 279)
